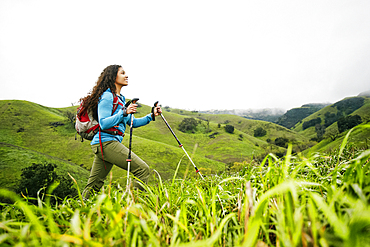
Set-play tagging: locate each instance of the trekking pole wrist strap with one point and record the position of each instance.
(124, 109)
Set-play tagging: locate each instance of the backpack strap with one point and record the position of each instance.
(114, 130)
(115, 103)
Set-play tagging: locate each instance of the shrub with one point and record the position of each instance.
(311, 123)
(213, 135)
(188, 124)
(259, 132)
(281, 141)
(320, 131)
(229, 129)
(38, 176)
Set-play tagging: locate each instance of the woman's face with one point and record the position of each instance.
(122, 78)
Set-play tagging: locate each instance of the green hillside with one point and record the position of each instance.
(359, 137)
(247, 128)
(13, 159)
(295, 115)
(28, 135)
(329, 117)
(32, 133)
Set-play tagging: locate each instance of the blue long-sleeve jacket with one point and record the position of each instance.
(108, 120)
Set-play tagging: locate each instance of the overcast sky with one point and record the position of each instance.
(195, 55)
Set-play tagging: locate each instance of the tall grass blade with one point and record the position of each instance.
(78, 190)
(339, 227)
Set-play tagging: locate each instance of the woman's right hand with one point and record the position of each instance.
(131, 108)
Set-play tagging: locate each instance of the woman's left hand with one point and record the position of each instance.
(157, 110)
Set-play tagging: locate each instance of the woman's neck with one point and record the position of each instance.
(118, 89)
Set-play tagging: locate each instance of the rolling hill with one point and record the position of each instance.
(32, 133)
(328, 118)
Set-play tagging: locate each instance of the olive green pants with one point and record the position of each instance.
(115, 153)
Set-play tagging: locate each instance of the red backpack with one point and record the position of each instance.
(87, 126)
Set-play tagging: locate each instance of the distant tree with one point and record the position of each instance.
(330, 118)
(188, 124)
(348, 123)
(281, 141)
(240, 137)
(229, 129)
(259, 132)
(38, 176)
(311, 123)
(208, 129)
(320, 131)
(331, 133)
(71, 116)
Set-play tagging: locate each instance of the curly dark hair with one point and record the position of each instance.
(106, 80)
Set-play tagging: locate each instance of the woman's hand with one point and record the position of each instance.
(157, 110)
(131, 108)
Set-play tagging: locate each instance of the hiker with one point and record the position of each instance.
(106, 145)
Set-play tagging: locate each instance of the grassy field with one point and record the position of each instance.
(13, 159)
(30, 131)
(317, 200)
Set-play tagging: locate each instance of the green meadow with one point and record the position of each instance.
(255, 193)
(322, 200)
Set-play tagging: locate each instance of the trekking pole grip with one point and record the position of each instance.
(133, 101)
(155, 106)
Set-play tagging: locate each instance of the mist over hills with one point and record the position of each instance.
(287, 118)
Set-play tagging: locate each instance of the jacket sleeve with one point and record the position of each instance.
(138, 122)
(105, 107)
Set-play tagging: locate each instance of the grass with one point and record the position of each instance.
(27, 134)
(26, 125)
(320, 200)
(14, 159)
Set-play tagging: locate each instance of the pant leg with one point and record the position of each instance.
(117, 153)
(114, 153)
(98, 172)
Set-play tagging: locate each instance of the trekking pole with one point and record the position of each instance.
(178, 141)
(130, 143)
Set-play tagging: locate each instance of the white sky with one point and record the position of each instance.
(194, 55)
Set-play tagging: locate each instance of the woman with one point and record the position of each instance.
(100, 101)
